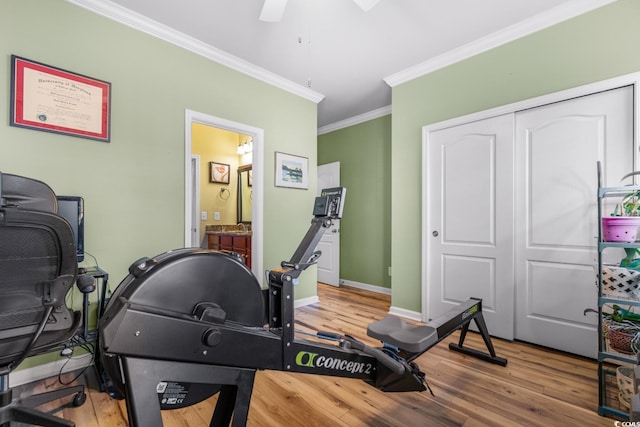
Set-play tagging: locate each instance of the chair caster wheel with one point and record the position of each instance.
(79, 399)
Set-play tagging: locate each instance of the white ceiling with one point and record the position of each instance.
(332, 48)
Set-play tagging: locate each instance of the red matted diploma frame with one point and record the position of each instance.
(54, 100)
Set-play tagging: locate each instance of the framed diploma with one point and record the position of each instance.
(54, 100)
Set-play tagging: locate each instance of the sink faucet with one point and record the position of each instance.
(244, 227)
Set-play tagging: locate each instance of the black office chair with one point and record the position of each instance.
(38, 267)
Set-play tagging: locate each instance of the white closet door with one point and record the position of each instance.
(469, 241)
(557, 147)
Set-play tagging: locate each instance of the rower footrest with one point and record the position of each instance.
(395, 331)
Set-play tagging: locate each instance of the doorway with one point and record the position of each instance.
(192, 218)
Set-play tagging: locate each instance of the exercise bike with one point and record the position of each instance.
(190, 323)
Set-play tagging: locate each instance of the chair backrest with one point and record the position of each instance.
(38, 267)
(27, 193)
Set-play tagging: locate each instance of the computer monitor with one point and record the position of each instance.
(71, 208)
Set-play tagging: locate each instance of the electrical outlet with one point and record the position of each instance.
(216, 216)
(203, 215)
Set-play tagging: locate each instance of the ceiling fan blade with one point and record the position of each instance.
(272, 10)
(366, 5)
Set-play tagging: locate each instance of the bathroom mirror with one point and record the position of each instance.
(245, 182)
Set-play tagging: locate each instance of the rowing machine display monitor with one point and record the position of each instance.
(190, 323)
(330, 203)
(327, 206)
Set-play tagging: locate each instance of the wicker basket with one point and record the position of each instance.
(622, 337)
(619, 282)
(624, 376)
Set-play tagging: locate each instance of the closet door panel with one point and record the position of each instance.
(557, 147)
(470, 220)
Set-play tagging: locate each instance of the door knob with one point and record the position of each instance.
(435, 233)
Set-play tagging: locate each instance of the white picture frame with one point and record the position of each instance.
(291, 171)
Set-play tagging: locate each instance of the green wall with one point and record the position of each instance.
(364, 153)
(134, 185)
(595, 46)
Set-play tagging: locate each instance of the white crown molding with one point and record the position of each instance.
(536, 23)
(139, 22)
(360, 118)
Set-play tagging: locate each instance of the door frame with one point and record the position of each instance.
(632, 79)
(257, 218)
(194, 228)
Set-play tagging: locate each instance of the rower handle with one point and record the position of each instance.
(382, 357)
(388, 361)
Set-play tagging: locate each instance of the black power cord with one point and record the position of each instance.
(77, 341)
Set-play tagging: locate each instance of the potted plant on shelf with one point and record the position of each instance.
(623, 280)
(632, 259)
(622, 225)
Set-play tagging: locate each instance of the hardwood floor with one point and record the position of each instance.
(538, 387)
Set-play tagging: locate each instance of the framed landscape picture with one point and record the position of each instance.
(292, 171)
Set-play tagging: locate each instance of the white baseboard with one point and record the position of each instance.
(366, 287)
(401, 312)
(37, 373)
(306, 301)
(396, 311)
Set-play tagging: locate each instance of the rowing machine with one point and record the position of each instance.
(190, 323)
